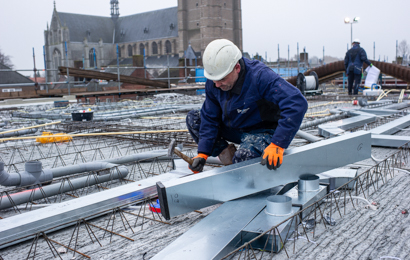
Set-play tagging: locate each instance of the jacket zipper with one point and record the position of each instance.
(226, 111)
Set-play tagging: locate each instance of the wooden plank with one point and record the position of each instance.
(74, 72)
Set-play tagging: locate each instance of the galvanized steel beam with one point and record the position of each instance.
(238, 180)
(57, 216)
(393, 141)
(217, 234)
(392, 127)
(340, 126)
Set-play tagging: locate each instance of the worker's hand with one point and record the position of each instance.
(199, 163)
(272, 156)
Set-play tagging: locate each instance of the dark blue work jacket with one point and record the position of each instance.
(354, 59)
(260, 99)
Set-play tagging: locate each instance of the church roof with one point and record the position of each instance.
(157, 24)
(92, 27)
(12, 77)
(138, 27)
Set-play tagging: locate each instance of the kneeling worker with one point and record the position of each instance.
(246, 103)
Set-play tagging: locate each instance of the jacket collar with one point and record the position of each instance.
(237, 88)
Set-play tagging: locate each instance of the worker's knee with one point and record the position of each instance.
(243, 155)
(193, 119)
(193, 122)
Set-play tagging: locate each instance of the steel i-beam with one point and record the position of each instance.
(238, 180)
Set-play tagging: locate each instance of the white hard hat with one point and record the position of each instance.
(219, 59)
(356, 40)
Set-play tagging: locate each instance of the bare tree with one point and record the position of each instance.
(5, 60)
(403, 49)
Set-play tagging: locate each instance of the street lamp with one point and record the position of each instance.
(347, 21)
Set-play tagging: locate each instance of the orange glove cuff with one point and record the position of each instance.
(201, 155)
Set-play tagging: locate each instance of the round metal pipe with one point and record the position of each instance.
(308, 182)
(307, 136)
(278, 205)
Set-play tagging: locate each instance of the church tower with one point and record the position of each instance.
(202, 21)
(115, 10)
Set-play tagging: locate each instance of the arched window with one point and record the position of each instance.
(56, 58)
(56, 61)
(141, 49)
(129, 51)
(92, 56)
(154, 48)
(168, 47)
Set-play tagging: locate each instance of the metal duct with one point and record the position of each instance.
(278, 205)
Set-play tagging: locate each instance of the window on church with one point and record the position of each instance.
(141, 49)
(92, 56)
(154, 48)
(129, 51)
(57, 62)
(168, 47)
(56, 58)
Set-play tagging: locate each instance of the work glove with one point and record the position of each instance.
(199, 163)
(272, 156)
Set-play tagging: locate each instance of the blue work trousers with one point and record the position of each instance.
(357, 78)
(251, 144)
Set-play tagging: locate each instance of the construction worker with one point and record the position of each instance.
(353, 64)
(246, 103)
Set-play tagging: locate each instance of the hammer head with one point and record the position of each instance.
(171, 147)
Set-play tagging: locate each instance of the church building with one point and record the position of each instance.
(91, 41)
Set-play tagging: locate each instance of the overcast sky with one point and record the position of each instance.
(265, 23)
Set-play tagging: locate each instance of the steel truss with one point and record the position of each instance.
(115, 216)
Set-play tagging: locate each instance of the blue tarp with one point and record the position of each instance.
(200, 73)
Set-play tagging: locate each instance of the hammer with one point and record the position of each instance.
(172, 150)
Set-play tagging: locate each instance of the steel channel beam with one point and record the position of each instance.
(238, 221)
(238, 180)
(217, 234)
(57, 216)
(338, 177)
(392, 127)
(381, 112)
(263, 222)
(393, 141)
(340, 126)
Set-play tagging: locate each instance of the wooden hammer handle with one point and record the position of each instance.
(183, 156)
